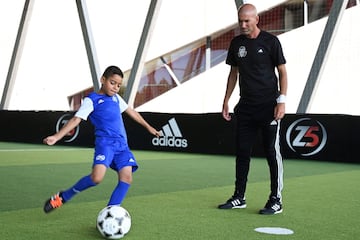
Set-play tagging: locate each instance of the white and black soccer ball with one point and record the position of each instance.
(113, 222)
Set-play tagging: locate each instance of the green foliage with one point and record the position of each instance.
(174, 196)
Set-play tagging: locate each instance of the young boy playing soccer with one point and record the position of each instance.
(104, 108)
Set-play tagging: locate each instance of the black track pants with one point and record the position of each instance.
(250, 120)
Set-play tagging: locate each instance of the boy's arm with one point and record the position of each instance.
(139, 119)
(70, 125)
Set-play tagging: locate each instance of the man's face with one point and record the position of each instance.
(247, 22)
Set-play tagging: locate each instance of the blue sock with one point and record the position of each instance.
(83, 184)
(119, 193)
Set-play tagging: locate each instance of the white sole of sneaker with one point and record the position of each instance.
(242, 206)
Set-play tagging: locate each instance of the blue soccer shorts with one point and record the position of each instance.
(114, 154)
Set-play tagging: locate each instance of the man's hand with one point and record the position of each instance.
(225, 112)
(279, 111)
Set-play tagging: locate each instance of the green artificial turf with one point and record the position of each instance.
(174, 196)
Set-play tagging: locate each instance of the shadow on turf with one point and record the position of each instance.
(92, 233)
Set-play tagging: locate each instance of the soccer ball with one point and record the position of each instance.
(113, 222)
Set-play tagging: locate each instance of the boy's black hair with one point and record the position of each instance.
(111, 70)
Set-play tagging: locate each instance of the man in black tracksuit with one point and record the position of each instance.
(253, 56)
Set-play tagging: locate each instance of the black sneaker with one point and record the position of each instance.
(272, 206)
(233, 202)
(53, 202)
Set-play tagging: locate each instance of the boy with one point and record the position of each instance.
(104, 108)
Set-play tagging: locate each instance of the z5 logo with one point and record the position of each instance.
(306, 136)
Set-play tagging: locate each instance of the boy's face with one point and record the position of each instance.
(111, 85)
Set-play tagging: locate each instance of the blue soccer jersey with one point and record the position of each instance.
(104, 113)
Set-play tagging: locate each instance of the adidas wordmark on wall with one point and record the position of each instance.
(171, 136)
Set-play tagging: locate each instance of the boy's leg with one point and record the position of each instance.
(84, 183)
(60, 198)
(121, 189)
(119, 193)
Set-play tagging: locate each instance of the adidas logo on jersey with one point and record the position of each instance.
(171, 136)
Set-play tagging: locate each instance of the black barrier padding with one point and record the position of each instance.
(201, 133)
(34, 126)
(309, 136)
(342, 132)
